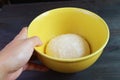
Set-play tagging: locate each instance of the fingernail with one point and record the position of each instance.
(40, 43)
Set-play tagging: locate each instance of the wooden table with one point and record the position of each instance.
(14, 17)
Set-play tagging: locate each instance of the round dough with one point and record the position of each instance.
(68, 46)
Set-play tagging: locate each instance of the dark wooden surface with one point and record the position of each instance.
(107, 67)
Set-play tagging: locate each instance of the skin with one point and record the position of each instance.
(14, 57)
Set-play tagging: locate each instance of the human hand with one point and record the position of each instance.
(15, 56)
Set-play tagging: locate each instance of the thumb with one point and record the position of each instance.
(34, 41)
(22, 34)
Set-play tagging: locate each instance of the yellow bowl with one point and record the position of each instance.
(70, 20)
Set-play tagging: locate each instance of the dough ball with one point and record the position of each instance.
(68, 46)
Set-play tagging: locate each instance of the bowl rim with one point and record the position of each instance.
(81, 58)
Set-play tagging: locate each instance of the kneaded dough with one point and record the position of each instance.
(68, 46)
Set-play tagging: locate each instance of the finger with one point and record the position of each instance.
(22, 34)
(34, 41)
(37, 67)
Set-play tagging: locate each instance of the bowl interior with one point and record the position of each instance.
(69, 20)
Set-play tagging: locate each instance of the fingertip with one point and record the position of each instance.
(35, 41)
(24, 29)
(22, 34)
